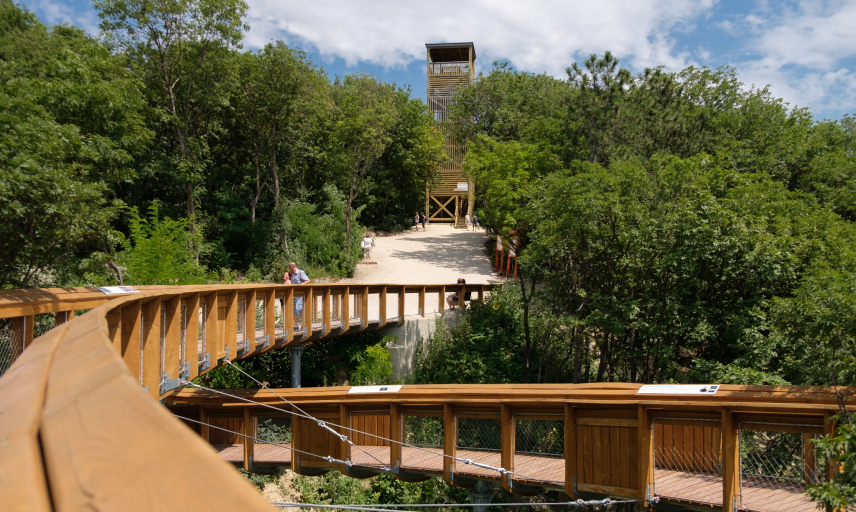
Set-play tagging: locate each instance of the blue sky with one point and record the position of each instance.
(805, 51)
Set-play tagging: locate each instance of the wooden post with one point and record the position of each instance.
(364, 313)
(346, 308)
(21, 326)
(151, 353)
(230, 325)
(449, 441)
(382, 307)
(462, 293)
(481, 294)
(646, 455)
(63, 317)
(191, 335)
(571, 454)
(441, 303)
(345, 447)
(131, 338)
(730, 462)
(395, 433)
(173, 337)
(506, 444)
(250, 432)
(401, 304)
(422, 301)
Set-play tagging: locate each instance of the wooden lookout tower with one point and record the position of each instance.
(450, 65)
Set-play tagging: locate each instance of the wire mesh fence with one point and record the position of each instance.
(11, 343)
(687, 459)
(426, 434)
(776, 467)
(336, 310)
(272, 428)
(356, 307)
(392, 312)
(539, 449)
(243, 343)
(478, 438)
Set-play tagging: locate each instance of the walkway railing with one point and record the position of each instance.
(77, 429)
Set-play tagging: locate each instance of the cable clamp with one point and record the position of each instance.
(654, 499)
(580, 503)
(607, 502)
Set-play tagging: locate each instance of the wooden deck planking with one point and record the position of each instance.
(533, 468)
(372, 456)
(428, 459)
(770, 496)
(483, 457)
(271, 454)
(699, 487)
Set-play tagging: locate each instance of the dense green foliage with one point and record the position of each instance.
(265, 159)
(673, 227)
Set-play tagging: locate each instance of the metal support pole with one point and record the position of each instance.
(481, 495)
(295, 352)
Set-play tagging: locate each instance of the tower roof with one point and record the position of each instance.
(450, 52)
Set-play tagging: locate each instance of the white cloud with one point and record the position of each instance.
(805, 54)
(54, 12)
(537, 36)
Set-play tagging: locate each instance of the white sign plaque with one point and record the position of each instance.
(678, 389)
(115, 290)
(375, 389)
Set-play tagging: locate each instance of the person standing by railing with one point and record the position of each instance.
(298, 277)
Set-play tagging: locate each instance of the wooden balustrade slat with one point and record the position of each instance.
(151, 352)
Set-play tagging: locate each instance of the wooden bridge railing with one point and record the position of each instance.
(78, 430)
(165, 334)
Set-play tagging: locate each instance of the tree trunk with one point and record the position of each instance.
(578, 355)
(275, 175)
(255, 200)
(526, 330)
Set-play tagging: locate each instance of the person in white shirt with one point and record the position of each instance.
(366, 244)
(298, 277)
(467, 220)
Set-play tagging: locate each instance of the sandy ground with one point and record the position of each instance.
(441, 254)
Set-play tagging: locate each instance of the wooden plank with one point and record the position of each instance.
(287, 316)
(616, 456)
(608, 422)
(633, 460)
(364, 309)
(345, 420)
(730, 462)
(627, 455)
(596, 456)
(401, 305)
(270, 316)
(645, 462)
(213, 342)
(571, 455)
(422, 301)
(250, 322)
(382, 306)
(346, 308)
(506, 443)
(449, 442)
(441, 300)
(22, 393)
(607, 489)
(152, 330)
(250, 432)
(131, 339)
(605, 462)
(114, 325)
(308, 306)
(91, 401)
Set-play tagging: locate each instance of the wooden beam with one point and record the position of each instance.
(441, 300)
(250, 324)
(506, 444)
(172, 342)
(646, 453)
(402, 296)
(422, 301)
(270, 316)
(730, 462)
(571, 453)
(250, 432)
(364, 309)
(131, 339)
(308, 307)
(395, 433)
(382, 306)
(288, 315)
(152, 331)
(326, 316)
(346, 308)
(449, 442)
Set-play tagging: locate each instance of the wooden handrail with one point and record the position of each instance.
(78, 430)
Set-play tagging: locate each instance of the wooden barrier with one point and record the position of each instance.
(80, 425)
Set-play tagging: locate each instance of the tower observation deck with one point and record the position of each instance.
(450, 65)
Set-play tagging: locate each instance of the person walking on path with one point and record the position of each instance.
(298, 277)
(424, 219)
(416, 221)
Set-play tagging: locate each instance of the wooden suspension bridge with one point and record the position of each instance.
(81, 424)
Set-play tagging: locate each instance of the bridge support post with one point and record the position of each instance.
(295, 352)
(481, 495)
